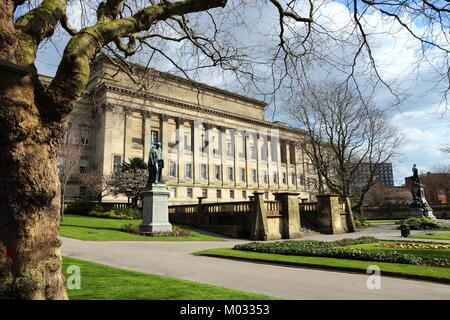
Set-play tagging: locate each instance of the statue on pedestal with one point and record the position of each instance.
(419, 206)
(155, 165)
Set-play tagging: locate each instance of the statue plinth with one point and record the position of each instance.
(420, 208)
(155, 209)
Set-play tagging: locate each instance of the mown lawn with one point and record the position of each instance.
(104, 229)
(432, 235)
(382, 221)
(415, 271)
(101, 282)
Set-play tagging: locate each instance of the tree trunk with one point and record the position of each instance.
(29, 189)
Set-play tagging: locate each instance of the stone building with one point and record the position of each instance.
(215, 143)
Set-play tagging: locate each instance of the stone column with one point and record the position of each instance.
(288, 165)
(181, 160)
(195, 152)
(236, 157)
(258, 159)
(223, 157)
(291, 214)
(146, 116)
(279, 167)
(210, 166)
(127, 134)
(269, 161)
(329, 217)
(247, 158)
(164, 142)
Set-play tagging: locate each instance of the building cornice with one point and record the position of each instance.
(195, 107)
(168, 76)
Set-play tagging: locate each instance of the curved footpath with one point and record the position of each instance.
(174, 258)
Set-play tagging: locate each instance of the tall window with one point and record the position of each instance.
(265, 176)
(275, 177)
(187, 142)
(188, 170)
(252, 151)
(229, 149)
(243, 178)
(205, 193)
(173, 193)
(217, 172)
(189, 192)
(117, 163)
(244, 194)
(293, 178)
(219, 194)
(266, 195)
(284, 178)
(83, 165)
(230, 173)
(254, 179)
(172, 169)
(203, 172)
(231, 194)
(154, 137)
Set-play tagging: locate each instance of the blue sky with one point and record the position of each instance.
(421, 116)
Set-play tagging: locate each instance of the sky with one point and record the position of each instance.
(421, 117)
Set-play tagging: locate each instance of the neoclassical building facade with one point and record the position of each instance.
(216, 144)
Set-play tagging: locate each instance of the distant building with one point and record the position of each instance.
(383, 173)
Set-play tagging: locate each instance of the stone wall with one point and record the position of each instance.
(401, 212)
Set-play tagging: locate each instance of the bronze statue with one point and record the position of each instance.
(155, 164)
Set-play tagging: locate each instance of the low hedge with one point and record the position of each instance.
(116, 213)
(336, 249)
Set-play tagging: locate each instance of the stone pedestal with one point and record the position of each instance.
(155, 210)
(425, 212)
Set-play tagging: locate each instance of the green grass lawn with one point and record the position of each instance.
(432, 235)
(103, 229)
(101, 282)
(406, 270)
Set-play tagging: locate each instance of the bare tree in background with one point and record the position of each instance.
(70, 152)
(33, 117)
(97, 183)
(343, 135)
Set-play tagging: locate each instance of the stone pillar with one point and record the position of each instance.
(236, 157)
(181, 162)
(146, 116)
(288, 165)
(291, 214)
(247, 159)
(269, 161)
(164, 142)
(223, 157)
(259, 229)
(209, 149)
(155, 210)
(200, 210)
(195, 152)
(279, 170)
(127, 134)
(258, 159)
(329, 216)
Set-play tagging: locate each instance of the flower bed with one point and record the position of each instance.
(337, 249)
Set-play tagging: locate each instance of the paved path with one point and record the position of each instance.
(175, 259)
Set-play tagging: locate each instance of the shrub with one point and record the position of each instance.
(336, 249)
(176, 231)
(421, 224)
(79, 207)
(115, 213)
